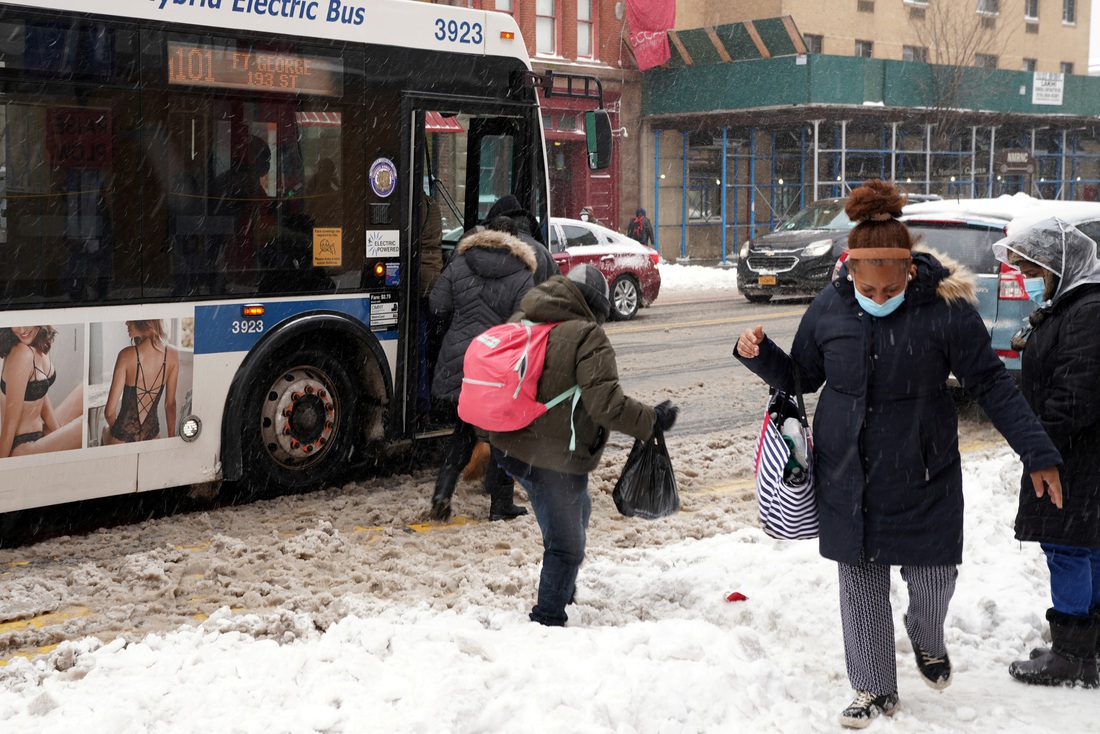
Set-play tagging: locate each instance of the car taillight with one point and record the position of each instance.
(655, 257)
(1011, 284)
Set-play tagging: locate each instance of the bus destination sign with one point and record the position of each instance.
(264, 71)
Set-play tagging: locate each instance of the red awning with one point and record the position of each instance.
(317, 119)
(437, 123)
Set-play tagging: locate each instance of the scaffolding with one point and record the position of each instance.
(714, 189)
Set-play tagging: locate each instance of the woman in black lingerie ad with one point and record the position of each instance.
(29, 422)
(145, 372)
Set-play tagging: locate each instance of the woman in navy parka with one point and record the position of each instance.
(881, 341)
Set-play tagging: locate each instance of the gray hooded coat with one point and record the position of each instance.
(481, 287)
(1060, 376)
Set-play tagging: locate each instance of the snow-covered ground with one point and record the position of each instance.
(337, 612)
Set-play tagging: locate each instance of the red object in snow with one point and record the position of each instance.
(736, 596)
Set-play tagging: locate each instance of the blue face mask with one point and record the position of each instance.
(880, 310)
(1035, 288)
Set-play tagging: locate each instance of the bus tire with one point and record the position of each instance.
(299, 425)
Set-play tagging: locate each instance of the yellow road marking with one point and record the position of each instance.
(709, 322)
(418, 527)
(43, 620)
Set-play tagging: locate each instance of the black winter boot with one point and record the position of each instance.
(1071, 659)
(501, 501)
(1094, 615)
(444, 490)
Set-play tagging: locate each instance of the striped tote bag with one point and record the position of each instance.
(784, 487)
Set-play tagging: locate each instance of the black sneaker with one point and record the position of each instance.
(866, 708)
(935, 670)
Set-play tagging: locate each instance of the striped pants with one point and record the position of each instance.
(868, 623)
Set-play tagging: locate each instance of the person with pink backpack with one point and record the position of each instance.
(552, 455)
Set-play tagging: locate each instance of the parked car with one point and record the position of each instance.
(797, 257)
(965, 230)
(629, 267)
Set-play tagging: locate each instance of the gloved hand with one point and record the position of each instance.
(666, 415)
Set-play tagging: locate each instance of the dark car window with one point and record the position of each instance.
(578, 236)
(556, 245)
(818, 217)
(969, 244)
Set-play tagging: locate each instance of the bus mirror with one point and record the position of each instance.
(597, 132)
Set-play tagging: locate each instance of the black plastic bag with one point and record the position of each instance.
(647, 486)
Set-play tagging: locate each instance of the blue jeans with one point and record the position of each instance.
(562, 507)
(1074, 578)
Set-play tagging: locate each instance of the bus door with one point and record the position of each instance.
(466, 157)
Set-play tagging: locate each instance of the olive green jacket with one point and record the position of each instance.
(578, 352)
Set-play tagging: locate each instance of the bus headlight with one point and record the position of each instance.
(190, 428)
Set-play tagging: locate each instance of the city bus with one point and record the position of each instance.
(212, 216)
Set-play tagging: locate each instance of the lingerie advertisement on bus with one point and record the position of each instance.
(139, 383)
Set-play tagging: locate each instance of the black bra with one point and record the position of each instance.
(36, 389)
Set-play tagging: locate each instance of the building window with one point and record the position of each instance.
(813, 43)
(985, 61)
(864, 49)
(1028, 65)
(915, 53)
(546, 27)
(505, 6)
(586, 30)
(1069, 11)
(1066, 67)
(865, 6)
(989, 7)
(1031, 9)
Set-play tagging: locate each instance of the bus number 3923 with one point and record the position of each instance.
(456, 32)
(247, 327)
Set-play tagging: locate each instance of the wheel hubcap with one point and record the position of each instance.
(626, 297)
(300, 417)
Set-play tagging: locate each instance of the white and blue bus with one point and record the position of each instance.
(211, 229)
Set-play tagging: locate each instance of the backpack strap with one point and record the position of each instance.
(575, 392)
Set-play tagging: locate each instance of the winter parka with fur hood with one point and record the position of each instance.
(887, 467)
(481, 287)
(578, 352)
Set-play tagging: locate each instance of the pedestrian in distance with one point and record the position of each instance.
(1060, 379)
(481, 287)
(880, 342)
(641, 229)
(555, 476)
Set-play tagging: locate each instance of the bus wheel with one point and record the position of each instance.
(299, 424)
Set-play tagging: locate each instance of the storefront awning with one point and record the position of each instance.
(435, 122)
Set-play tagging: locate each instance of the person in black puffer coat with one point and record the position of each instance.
(481, 287)
(880, 342)
(528, 231)
(1060, 378)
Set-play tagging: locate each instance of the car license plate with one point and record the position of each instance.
(766, 280)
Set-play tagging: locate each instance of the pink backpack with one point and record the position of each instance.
(500, 378)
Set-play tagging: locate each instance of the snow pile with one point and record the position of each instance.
(652, 644)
